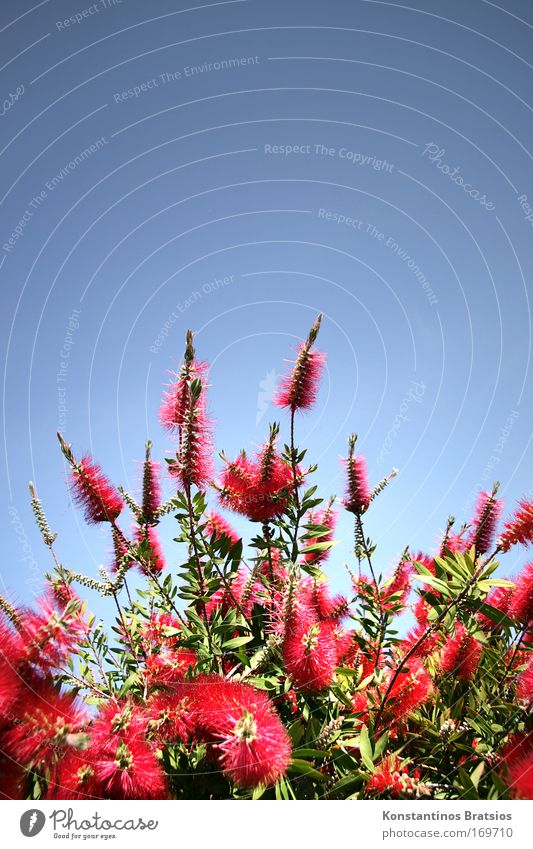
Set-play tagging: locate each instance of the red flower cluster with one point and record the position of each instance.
(310, 653)
(521, 599)
(357, 498)
(487, 512)
(260, 488)
(392, 779)
(94, 493)
(218, 526)
(244, 734)
(461, 654)
(299, 388)
(519, 528)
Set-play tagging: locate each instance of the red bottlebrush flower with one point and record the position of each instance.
(75, 777)
(524, 684)
(11, 655)
(45, 720)
(244, 732)
(427, 646)
(48, 637)
(392, 780)
(499, 598)
(151, 491)
(156, 558)
(184, 411)
(328, 519)
(298, 389)
(314, 595)
(175, 407)
(461, 654)
(412, 688)
(310, 654)
(421, 611)
(519, 528)
(361, 705)
(120, 550)
(343, 643)
(169, 719)
(260, 489)
(399, 586)
(94, 493)
(130, 770)
(356, 658)
(521, 601)
(517, 762)
(9, 687)
(484, 523)
(218, 526)
(244, 591)
(155, 629)
(116, 722)
(357, 497)
(169, 665)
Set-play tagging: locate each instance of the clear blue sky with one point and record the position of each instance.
(235, 168)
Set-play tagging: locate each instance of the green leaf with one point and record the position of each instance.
(304, 768)
(237, 641)
(365, 747)
(318, 546)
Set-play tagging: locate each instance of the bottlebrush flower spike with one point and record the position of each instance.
(45, 719)
(315, 596)
(169, 665)
(184, 411)
(412, 688)
(519, 528)
(521, 600)
(217, 525)
(74, 777)
(358, 493)
(92, 490)
(400, 584)
(461, 654)
(486, 515)
(243, 731)
(176, 400)
(151, 492)
(328, 519)
(524, 684)
(130, 770)
(156, 558)
(170, 719)
(50, 635)
(260, 489)
(392, 780)
(309, 653)
(299, 388)
(426, 647)
(117, 721)
(517, 762)
(120, 550)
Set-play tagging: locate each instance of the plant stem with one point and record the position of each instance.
(361, 540)
(294, 555)
(200, 575)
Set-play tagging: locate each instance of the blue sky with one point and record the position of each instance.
(236, 168)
